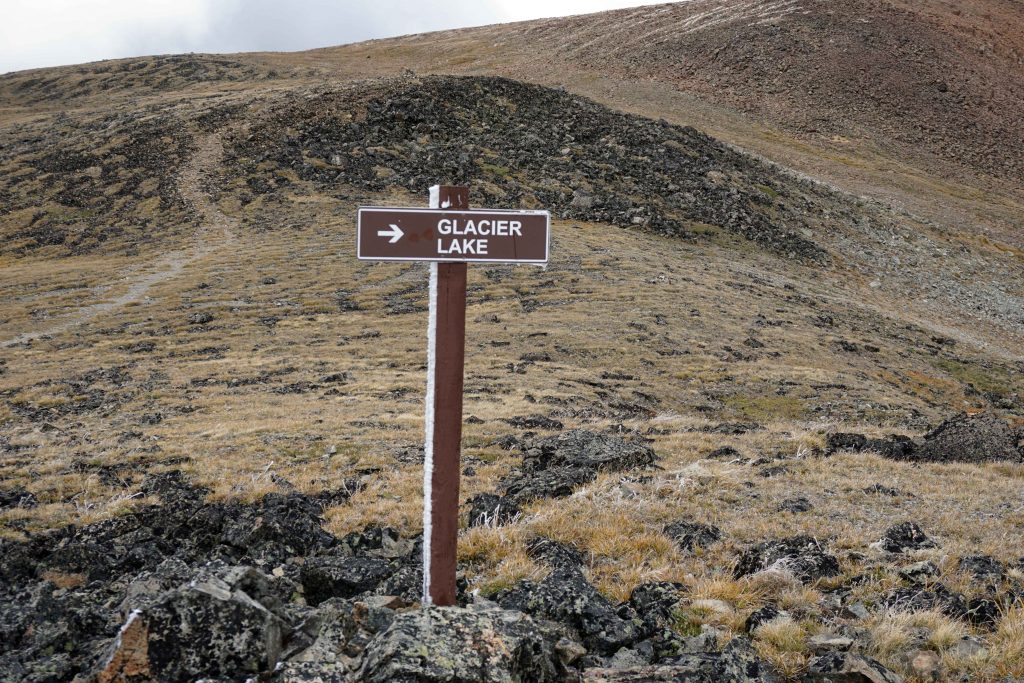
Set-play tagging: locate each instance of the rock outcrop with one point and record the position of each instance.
(802, 556)
(455, 645)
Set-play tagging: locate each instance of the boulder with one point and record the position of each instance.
(936, 597)
(970, 438)
(803, 556)
(737, 663)
(848, 667)
(343, 577)
(763, 616)
(555, 554)
(490, 509)
(894, 447)
(656, 603)
(557, 482)
(796, 504)
(206, 629)
(457, 645)
(982, 567)
(919, 572)
(565, 596)
(587, 450)
(689, 535)
(903, 537)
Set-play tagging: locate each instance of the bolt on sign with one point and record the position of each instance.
(448, 235)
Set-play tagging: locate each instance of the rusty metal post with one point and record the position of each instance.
(446, 348)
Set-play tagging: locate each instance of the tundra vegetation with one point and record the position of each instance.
(746, 425)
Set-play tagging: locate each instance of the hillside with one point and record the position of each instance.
(917, 104)
(760, 418)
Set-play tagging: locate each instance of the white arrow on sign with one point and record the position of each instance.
(395, 233)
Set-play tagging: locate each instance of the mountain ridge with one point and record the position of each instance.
(761, 415)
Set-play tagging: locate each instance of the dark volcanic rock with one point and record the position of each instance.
(982, 567)
(490, 509)
(343, 577)
(904, 537)
(761, 616)
(200, 318)
(206, 629)
(936, 597)
(690, 535)
(534, 422)
(555, 554)
(804, 556)
(555, 466)
(453, 645)
(847, 667)
(147, 560)
(554, 483)
(568, 598)
(737, 663)
(970, 438)
(582, 449)
(17, 498)
(538, 142)
(843, 441)
(796, 504)
(895, 447)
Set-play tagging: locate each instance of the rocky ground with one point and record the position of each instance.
(188, 589)
(744, 426)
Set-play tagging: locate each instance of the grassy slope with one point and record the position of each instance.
(244, 404)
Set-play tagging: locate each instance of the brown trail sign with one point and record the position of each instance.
(448, 234)
(452, 235)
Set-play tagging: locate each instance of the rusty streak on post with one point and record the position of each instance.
(447, 437)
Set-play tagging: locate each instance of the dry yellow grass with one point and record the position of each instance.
(244, 406)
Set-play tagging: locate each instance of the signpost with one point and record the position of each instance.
(448, 235)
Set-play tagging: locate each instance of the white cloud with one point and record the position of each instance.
(303, 24)
(36, 33)
(50, 32)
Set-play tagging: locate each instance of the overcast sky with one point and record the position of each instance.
(35, 33)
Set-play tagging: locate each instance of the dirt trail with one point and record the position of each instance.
(215, 231)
